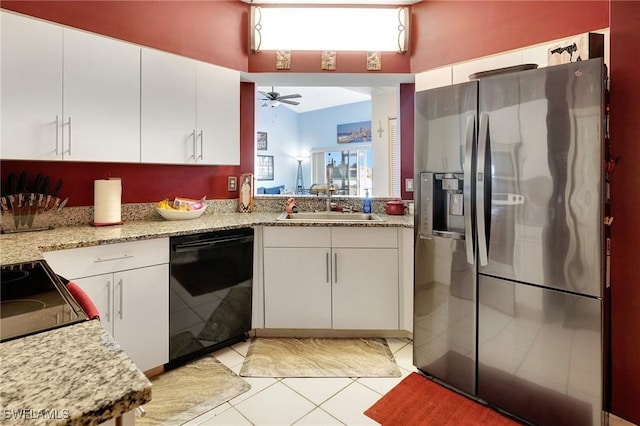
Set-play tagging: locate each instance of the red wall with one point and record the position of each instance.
(203, 30)
(625, 208)
(407, 92)
(446, 32)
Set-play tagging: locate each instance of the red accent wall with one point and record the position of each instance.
(407, 95)
(625, 208)
(446, 32)
(210, 31)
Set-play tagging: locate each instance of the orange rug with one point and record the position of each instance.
(418, 401)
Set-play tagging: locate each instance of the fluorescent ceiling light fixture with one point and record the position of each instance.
(328, 28)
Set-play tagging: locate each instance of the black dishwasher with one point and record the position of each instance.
(210, 292)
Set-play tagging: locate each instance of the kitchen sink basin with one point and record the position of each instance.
(329, 217)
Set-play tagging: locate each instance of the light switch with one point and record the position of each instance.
(408, 185)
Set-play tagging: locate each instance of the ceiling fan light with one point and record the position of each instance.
(273, 103)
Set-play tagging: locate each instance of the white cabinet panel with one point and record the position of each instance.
(365, 289)
(190, 111)
(218, 115)
(101, 99)
(129, 284)
(168, 108)
(310, 286)
(31, 89)
(141, 311)
(297, 288)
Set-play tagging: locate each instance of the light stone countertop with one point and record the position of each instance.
(74, 375)
(28, 246)
(78, 372)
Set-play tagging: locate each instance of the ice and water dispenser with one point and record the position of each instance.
(442, 205)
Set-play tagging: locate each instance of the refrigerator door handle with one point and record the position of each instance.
(483, 136)
(468, 169)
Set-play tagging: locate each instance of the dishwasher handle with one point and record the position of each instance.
(212, 242)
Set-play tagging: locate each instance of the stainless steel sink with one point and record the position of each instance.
(329, 217)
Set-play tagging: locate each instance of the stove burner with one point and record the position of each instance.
(10, 276)
(33, 299)
(10, 308)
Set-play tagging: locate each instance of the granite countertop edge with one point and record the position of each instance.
(74, 375)
(30, 246)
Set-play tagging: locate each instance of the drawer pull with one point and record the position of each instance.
(110, 259)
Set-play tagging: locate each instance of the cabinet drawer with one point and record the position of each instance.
(297, 236)
(364, 237)
(88, 261)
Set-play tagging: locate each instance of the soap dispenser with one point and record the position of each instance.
(366, 203)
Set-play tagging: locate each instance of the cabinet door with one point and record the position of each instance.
(297, 288)
(218, 115)
(168, 108)
(365, 289)
(101, 98)
(99, 288)
(31, 89)
(141, 311)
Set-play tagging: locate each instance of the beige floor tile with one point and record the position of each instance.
(349, 405)
(276, 405)
(318, 417)
(318, 390)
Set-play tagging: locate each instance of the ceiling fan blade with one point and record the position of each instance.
(284, 101)
(289, 96)
(263, 94)
(264, 104)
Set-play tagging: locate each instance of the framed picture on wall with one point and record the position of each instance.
(264, 167)
(354, 132)
(262, 141)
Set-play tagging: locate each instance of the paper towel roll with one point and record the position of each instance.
(107, 199)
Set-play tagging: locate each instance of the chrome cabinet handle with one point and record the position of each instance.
(108, 313)
(120, 312)
(327, 263)
(193, 137)
(69, 150)
(468, 173)
(201, 145)
(110, 259)
(335, 268)
(57, 134)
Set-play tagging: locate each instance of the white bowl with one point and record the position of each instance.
(181, 214)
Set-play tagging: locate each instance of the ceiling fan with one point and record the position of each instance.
(273, 98)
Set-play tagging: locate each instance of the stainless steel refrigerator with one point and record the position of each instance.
(509, 264)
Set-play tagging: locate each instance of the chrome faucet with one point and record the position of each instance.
(330, 189)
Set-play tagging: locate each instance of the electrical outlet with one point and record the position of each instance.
(232, 183)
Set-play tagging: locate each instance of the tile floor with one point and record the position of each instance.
(308, 401)
(317, 402)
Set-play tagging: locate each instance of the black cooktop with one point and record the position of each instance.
(34, 299)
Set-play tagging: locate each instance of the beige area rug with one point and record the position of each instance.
(180, 395)
(319, 357)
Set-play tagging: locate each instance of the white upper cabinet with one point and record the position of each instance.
(190, 111)
(68, 94)
(168, 108)
(101, 99)
(218, 115)
(31, 89)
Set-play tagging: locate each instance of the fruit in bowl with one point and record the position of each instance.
(181, 208)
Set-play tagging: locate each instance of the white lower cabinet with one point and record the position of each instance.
(133, 311)
(129, 284)
(331, 277)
